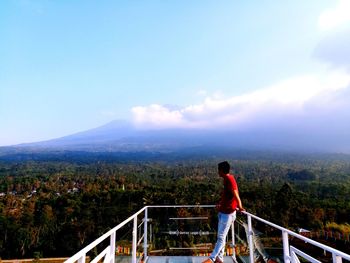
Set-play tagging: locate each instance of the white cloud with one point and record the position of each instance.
(335, 17)
(286, 98)
(157, 116)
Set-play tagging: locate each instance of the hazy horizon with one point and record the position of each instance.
(273, 68)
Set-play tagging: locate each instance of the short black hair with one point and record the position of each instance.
(224, 167)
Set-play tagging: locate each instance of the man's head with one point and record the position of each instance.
(223, 168)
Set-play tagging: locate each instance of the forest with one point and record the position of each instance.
(53, 204)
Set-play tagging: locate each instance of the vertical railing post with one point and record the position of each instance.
(112, 247)
(145, 244)
(233, 240)
(250, 239)
(286, 255)
(336, 258)
(134, 241)
(150, 233)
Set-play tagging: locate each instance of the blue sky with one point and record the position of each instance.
(68, 66)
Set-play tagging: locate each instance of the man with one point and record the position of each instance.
(229, 203)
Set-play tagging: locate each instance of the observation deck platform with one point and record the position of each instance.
(187, 234)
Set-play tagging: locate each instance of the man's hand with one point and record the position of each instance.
(240, 209)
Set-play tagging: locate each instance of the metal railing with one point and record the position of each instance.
(290, 253)
(108, 254)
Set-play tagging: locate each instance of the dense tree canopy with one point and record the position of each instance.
(55, 204)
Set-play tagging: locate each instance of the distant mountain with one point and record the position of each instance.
(122, 136)
(107, 133)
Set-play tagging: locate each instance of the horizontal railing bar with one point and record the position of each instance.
(103, 237)
(101, 255)
(304, 255)
(307, 240)
(188, 218)
(181, 206)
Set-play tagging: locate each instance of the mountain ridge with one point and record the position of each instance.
(123, 136)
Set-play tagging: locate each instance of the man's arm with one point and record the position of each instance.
(240, 207)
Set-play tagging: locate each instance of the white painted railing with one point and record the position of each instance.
(290, 253)
(108, 254)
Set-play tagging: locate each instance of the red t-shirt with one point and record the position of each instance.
(228, 203)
